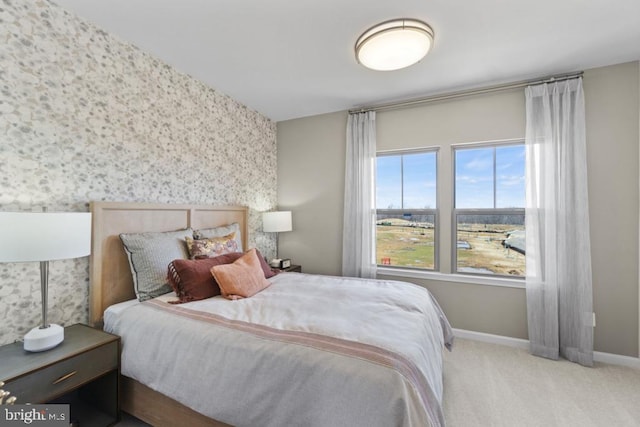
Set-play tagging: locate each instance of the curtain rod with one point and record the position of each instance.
(465, 93)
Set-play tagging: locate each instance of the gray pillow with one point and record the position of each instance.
(208, 233)
(149, 256)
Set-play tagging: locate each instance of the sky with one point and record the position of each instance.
(418, 191)
(474, 179)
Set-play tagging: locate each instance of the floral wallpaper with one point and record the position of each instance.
(85, 116)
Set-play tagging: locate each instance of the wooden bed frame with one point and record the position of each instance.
(111, 283)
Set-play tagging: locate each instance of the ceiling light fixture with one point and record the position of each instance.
(394, 44)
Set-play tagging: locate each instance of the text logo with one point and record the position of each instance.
(35, 415)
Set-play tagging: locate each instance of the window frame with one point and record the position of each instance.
(412, 211)
(479, 211)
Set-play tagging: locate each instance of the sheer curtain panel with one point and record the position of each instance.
(558, 251)
(358, 242)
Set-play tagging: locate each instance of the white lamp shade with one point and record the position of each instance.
(275, 222)
(395, 44)
(44, 236)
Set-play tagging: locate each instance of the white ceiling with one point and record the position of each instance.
(295, 58)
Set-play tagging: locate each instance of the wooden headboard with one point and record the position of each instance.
(109, 272)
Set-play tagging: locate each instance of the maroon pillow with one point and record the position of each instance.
(191, 279)
(268, 272)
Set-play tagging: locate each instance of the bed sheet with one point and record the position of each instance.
(309, 350)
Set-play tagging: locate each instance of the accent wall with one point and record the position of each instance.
(85, 117)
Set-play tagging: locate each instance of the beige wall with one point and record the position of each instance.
(311, 161)
(611, 96)
(311, 170)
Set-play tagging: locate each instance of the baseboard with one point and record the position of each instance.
(616, 359)
(492, 339)
(613, 359)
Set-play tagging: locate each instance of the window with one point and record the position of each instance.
(489, 210)
(406, 215)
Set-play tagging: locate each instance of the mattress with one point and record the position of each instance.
(309, 350)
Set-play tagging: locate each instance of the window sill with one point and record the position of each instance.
(458, 278)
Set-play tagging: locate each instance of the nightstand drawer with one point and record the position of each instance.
(48, 383)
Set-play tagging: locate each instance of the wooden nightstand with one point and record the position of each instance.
(83, 371)
(294, 268)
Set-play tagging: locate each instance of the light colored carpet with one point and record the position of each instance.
(494, 386)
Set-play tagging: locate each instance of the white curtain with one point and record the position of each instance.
(358, 242)
(558, 251)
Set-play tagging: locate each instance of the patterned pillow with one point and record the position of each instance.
(207, 233)
(212, 247)
(243, 278)
(149, 254)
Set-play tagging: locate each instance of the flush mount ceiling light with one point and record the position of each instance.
(393, 45)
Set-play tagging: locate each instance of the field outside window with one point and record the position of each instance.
(490, 243)
(406, 240)
(489, 210)
(406, 210)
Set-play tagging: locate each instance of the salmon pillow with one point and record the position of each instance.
(241, 279)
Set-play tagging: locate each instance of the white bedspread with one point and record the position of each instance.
(307, 351)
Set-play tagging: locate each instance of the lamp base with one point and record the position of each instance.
(42, 339)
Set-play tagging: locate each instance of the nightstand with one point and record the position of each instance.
(83, 372)
(292, 268)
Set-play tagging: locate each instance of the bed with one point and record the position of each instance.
(308, 350)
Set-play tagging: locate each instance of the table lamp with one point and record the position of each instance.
(44, 237)
(276, 222)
